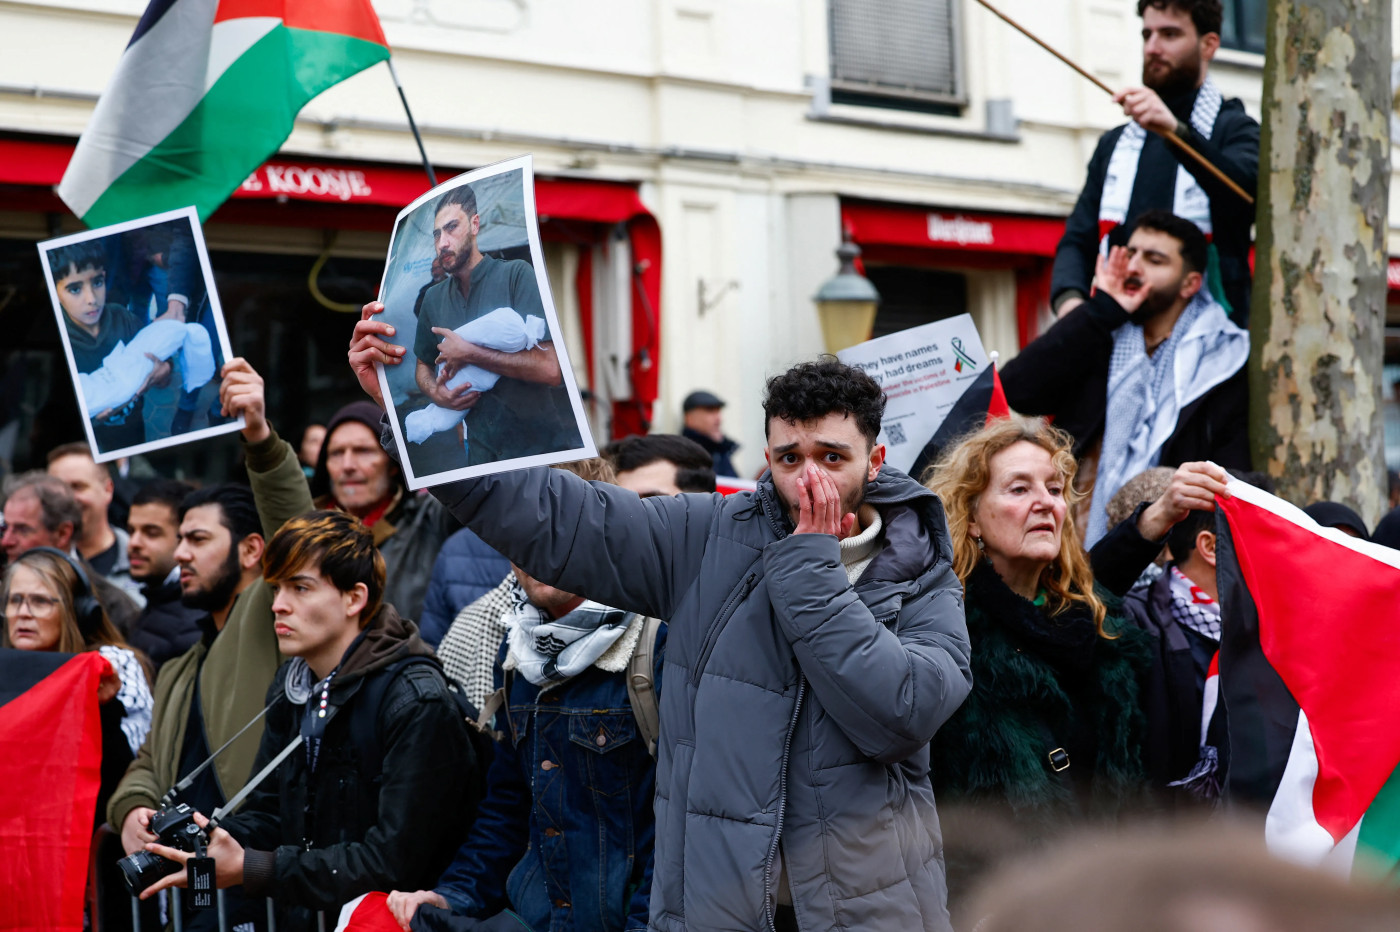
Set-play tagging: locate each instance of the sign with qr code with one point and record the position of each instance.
(924, 371)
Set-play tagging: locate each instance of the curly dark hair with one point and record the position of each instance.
(812, 390)
(1195, 250)
(1206, 15)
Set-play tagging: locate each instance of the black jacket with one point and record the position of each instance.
(387, 805)
(165, 628)
(1173, 688)
(720, 451)
(1233, 147)
(1064, 373)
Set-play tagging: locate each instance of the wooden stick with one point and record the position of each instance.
(1169, 137)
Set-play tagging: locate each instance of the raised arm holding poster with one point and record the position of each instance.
(939, 382)
(485, 384)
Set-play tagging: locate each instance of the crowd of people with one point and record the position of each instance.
(603, 696)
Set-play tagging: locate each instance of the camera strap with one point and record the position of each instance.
(252, 784)
(189, 779)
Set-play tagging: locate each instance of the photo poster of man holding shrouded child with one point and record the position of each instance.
(485, 383)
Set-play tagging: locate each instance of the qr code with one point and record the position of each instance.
(895, 433)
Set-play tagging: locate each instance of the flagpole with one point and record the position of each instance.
(422, 152)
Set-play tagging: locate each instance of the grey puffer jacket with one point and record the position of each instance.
(797, 710)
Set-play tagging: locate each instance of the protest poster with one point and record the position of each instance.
(485, 384)
(143, 332)
(924, 371)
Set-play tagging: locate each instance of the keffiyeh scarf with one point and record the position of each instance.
(1146, 394)
(1193, 608)
(548, 650)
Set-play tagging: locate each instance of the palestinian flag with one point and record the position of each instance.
(1310, 680)
(981, 402)
(50, 762)
(368, 913)
(206, 90)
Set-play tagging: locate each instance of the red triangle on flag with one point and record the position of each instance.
(1328, 624)
(50, 763)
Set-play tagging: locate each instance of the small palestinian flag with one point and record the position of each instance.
(1310, 680)
(368, 913)
(205, 91)
(50, 763)
(981, 402)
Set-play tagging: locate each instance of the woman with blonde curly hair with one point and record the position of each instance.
(1053, 727)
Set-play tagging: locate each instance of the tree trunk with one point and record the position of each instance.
(1318, 313)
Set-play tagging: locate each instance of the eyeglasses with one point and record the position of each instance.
(38, 604)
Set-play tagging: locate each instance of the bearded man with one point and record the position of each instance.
(816, 642)
(1135, 169)
(1148, 372)
(528, 411)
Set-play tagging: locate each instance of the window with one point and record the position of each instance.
(896, 53)
(1243, 25)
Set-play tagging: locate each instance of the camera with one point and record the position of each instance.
(174, 827)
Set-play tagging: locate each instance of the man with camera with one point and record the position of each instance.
(366, 770)
(206, 695)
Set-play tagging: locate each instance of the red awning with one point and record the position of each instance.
(900, 225)
(41, 164)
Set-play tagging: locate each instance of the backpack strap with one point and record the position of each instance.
(489, 708)
(641, 684)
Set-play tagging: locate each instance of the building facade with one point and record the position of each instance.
(698, 160)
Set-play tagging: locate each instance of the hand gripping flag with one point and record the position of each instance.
(1310, 680)
(205, 91)
(50, 762)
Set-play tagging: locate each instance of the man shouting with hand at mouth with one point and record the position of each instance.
(1147, 372)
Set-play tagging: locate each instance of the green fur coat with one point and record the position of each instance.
(1039, 682)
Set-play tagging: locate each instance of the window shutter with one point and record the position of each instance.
(896, 48)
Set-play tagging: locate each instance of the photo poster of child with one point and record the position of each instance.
(485, 384)
(143, 332)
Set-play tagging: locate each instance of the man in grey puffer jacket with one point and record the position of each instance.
(817, 642)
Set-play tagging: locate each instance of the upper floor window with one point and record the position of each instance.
(1243, 25)
(896, 53)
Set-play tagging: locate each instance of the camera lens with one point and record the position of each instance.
(142, 869)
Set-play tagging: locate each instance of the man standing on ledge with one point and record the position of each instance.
(816, 644)
(1135, 169)
(528, 411)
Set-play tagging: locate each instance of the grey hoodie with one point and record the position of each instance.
(797, 709)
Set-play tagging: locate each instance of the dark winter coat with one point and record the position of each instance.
(1174, 685)
(165, 628)
(1233, 147)
(465, 570)
(1064, 373)
(721, 451)
(387, 803)
(566, 832)
(995, 750)
(408, 535)
(798, 708)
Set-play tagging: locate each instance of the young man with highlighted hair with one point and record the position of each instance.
(377, 794)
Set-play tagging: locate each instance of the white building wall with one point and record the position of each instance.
(718, 108)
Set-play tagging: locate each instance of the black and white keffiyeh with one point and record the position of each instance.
(548, 650)
(134, 694)
(1189, 199)
(468, 649)
(1193, 608)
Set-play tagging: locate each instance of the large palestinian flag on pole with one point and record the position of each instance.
(50, 762)
(205, 91)
(1310, 681)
